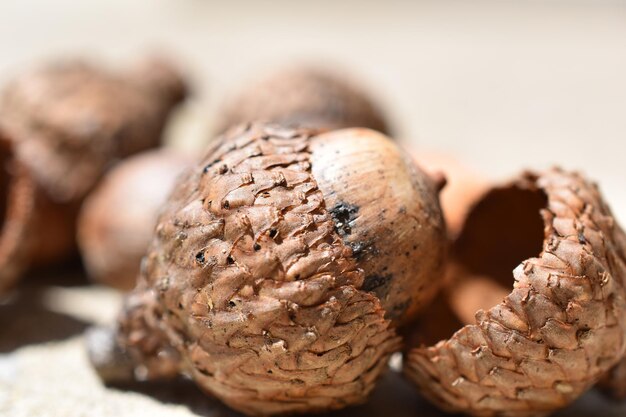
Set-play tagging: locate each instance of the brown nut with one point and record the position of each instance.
(561, 328)
(117, 220)
(278, 265)
(65, 123)
(304, 96)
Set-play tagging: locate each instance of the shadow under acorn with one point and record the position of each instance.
(393, 396)
(26, 320)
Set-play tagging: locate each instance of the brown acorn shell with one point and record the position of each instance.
(304, 96)
(118, 218)
(251, 286)
(65, 123)
(561, 328)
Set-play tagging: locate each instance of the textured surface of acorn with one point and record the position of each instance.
(281, 265)
(117, 220)
(560, 329)
(304, 96)
(64, 124)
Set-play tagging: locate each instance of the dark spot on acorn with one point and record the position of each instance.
(257, 247)
(209, 166)
(399, 309)
(362, 249)
(374, 282)
(343, 214)
(200, 259)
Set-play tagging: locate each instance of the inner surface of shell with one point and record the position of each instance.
(251, 286)
(563, 325)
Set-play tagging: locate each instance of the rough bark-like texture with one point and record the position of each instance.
(304, 96)
(561, 328)
(117, 220)
(66, 123)
(614, 383)
(250, 288)
(71, 119)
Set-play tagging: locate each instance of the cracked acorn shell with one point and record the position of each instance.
(304, 96)
(280, 265)
(117, 220)
(64, 124)
(560, 329)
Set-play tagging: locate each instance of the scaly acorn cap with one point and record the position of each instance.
(279, 266)
(303, 96)
(63, 125)
(71, 119)
(562, 327)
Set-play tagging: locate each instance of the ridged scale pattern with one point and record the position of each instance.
(562, 327)
(249, 289)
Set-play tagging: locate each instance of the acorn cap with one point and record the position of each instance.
(261, 275)
(72, 118)
(560, 329)
(307, 97)
(63, 125)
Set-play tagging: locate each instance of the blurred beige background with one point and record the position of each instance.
(504, 85)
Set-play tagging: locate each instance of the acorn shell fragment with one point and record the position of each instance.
(302, 96)
(562, 327)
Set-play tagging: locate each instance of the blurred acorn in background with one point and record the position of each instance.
(63, 124)
(304, 96)
(117, 220)
(463, 185)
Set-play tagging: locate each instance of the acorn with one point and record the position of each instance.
(536, 348)
(281, 266)
(304, 96)
(117, 219)
(63, 124)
